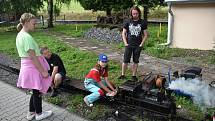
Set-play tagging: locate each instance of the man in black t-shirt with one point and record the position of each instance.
(57, 70)
(134, 35)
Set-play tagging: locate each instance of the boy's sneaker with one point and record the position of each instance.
(134, 78)
(87, 102)
(122, 77)
(43, 115)
(30, 116)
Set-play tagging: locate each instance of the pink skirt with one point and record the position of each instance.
(31, 78)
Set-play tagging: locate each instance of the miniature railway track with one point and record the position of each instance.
(123, 108)
(9, 69)
(75, 83)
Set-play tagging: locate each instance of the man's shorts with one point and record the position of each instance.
(135, 51)
(63, 78)
(62, 75)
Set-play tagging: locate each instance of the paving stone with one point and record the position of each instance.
(14, 106)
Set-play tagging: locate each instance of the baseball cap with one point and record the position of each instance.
(103, 57)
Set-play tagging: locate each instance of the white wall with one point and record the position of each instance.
(194, 26)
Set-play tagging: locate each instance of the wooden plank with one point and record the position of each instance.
(79, 84)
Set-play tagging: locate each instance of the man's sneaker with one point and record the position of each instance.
(87, 102)
(43, 115)
(54, 93)
(122, 77)
(134, 78)
(30, 116)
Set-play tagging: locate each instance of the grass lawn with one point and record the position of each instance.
(78, 63)
(75, 30)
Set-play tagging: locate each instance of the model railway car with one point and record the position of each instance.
(152, 92)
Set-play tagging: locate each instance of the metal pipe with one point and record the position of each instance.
(170, 25)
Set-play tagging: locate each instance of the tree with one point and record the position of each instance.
(50, 13)
(106, 5)
(57, 5)
(147, 4)
(17, 7)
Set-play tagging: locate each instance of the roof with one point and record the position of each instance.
(190, 1)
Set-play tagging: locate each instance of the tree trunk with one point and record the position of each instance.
(50, 13)
(145, 13)
(108, 12)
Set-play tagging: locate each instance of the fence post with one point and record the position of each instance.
(42, 20)
(64, 18)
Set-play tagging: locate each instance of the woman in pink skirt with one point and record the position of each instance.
(34, 68)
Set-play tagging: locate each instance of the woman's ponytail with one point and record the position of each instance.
(19, 27)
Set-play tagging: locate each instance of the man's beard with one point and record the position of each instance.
(135, 18)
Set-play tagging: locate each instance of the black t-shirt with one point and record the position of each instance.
(55, 60)
(135, 31)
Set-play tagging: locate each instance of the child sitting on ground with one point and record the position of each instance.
(96, 84)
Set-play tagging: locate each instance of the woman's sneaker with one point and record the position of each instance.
(30, 116)
(43, 115)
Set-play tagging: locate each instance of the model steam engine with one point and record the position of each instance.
(149, 94)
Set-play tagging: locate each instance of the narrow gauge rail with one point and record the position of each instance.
(9, 69)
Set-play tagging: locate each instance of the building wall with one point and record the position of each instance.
(194, 26)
